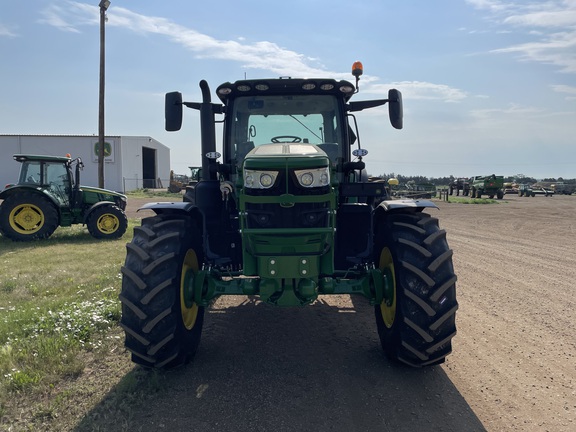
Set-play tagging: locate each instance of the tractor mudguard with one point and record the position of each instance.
(169, 207)
(416, 205)
(18, 189)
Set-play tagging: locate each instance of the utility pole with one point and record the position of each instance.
(104, 4)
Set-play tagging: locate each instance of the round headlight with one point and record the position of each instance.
(307, 179)
(249, 180)
(324, 179)
(266, 180)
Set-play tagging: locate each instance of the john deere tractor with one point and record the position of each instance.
(286, 212)
(48, 195)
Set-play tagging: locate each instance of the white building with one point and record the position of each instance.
(131, 162)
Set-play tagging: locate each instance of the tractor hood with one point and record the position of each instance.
(92, 189)
(93, 195)
(296, 149)
(293, 154)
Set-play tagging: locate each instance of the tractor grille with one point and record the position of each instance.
(300, 215)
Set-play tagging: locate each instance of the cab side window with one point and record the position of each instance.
(31, 173)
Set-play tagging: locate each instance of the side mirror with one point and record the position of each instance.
(173, 111)
(395, 110)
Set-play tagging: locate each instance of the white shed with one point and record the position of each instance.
(131, 162)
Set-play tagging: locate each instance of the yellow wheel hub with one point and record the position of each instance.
(388, 305)
(188, 308)
(107, 223)
(26, 219)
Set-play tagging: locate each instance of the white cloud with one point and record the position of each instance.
(6, 31)
(69, 15)
(514, 110)
(421, 90)
(263, 55)
(552, 23)
(259, 55)
(570, 91)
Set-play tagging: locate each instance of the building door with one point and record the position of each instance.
(149, 165)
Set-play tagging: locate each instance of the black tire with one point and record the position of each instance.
(417, 328)
(500, 194)
(174, 188)
(162, 331)
(107, 222)
(28, 216)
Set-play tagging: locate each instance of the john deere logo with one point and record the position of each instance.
(107, 149)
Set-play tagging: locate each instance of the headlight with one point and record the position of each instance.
(316, 177)
(259, 179)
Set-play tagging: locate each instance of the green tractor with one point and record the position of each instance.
(287, 213)
(492, 185)
(48, 195)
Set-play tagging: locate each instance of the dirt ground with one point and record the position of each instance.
(320, 368)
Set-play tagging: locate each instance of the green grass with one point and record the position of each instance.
(152, 193)
(58, 307)
(465, 200)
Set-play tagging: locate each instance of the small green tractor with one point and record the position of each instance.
(491, 185)
(48, 195)
(287, 213)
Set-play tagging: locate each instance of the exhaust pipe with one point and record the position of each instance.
(208, 133)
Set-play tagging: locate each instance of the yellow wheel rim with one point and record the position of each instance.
(188, 308)
(26, 219)
(107, 223)
(388, 305)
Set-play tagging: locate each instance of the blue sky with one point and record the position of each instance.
(489, 86)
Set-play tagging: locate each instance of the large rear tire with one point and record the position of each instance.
(416, 325)
(162, 325)
(28, 216)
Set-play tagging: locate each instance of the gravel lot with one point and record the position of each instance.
(320, 368)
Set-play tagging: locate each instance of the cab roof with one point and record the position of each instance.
(45, 158)
(285, 86)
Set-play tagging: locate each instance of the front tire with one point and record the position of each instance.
(416, 325)
(28, 216)
(162, 325)
(107, 222)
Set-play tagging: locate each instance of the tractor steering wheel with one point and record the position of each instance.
(294, 139)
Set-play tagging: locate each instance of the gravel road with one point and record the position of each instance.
(320, 368)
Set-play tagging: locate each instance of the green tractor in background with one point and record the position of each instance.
(491, 185)
(48, 195)
(287, 213)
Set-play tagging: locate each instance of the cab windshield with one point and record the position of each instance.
(310, 119)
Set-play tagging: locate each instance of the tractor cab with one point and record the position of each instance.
(48, 172)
